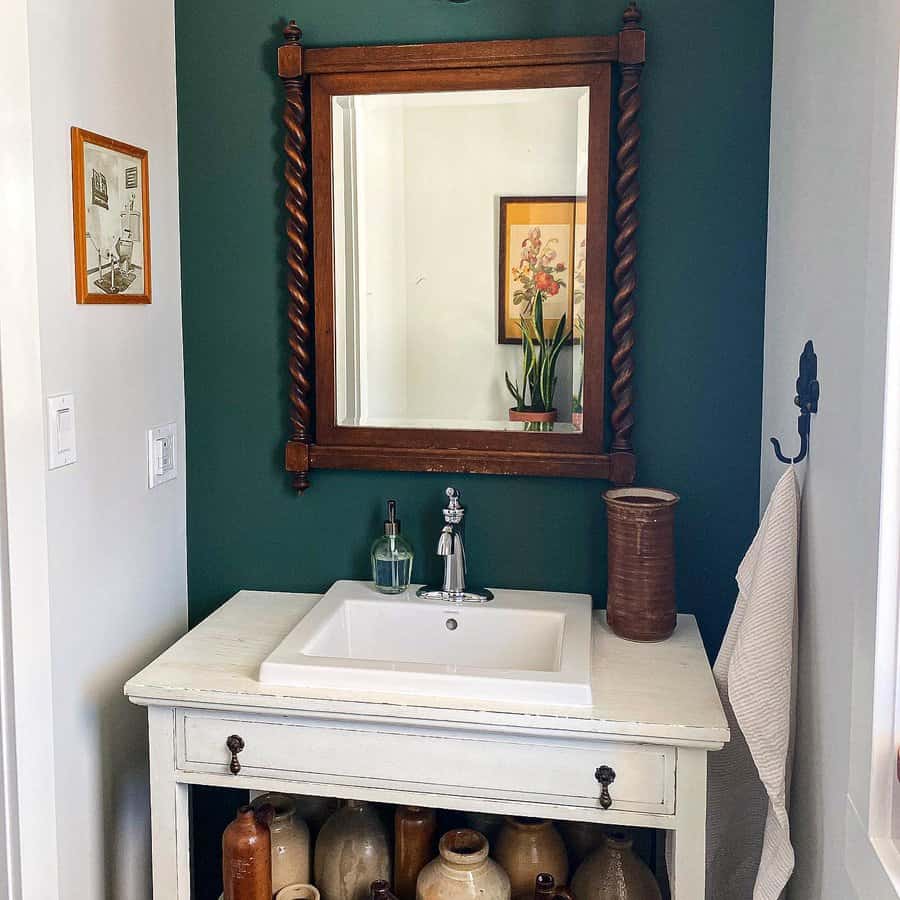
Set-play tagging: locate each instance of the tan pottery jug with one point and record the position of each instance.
(528, 847)
(290, 841)
(463, 870)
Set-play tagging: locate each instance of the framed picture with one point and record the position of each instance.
(539, 252)
(111, 210)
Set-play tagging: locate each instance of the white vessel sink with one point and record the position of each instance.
(521, 647)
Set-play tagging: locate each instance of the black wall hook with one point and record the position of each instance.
(807, 400)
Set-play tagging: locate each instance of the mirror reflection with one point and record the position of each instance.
(459, 261)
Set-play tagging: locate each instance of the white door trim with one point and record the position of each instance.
(31, 866)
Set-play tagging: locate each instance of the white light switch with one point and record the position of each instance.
(61, 430)
(161, 454)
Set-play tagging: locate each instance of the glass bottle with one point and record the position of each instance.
(392, 556)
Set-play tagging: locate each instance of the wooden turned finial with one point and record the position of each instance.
(632, 16)
(292, 32)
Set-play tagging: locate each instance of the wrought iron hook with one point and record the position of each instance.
(807, 399)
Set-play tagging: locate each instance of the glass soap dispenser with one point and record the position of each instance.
(392, 556)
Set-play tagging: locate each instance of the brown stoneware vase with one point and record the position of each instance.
(351, 852)
(615, 872)
(640, 601)
(246, 858)
(527, 848)
(414, 830)
(463, 870)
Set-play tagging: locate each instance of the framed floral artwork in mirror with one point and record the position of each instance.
(542, 249)
(111, 212)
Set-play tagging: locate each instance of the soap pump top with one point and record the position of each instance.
(391, 523)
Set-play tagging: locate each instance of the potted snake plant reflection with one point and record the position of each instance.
(540, 354)
(578, 394)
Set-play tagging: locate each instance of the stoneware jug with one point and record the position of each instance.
(290, 841)
(246, 858)
(414, 832)
(463, 870)
(352, 851)
(615, 872)
(528, 847)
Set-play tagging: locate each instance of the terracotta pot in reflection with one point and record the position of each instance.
(528, 847)
(615, 872)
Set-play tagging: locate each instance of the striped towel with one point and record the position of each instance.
(749, 848)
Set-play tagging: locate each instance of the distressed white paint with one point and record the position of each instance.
(656, 714)
(832, 158)
(117, 568)
(656, 692)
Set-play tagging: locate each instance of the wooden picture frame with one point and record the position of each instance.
(530, 229)
(111, 220)
(311, 78)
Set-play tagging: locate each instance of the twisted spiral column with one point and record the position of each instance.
(625, 244)
(296, 201)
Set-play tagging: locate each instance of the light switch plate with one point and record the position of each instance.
(61, 430)
(162, 456)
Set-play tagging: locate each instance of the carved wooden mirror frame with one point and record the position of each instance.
(320, 443)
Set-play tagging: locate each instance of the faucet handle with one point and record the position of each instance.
(453, 512)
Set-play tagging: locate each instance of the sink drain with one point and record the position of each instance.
(451, 624)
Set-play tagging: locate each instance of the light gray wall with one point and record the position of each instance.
(117, 550)
(833, 109)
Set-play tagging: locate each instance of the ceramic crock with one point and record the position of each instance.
(528, 847)
(463, 870)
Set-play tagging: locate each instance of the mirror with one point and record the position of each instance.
(453, 212)
(432, 193)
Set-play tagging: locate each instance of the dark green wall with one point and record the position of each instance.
(699, 375)
(699, 362)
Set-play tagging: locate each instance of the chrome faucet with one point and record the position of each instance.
(451, 548)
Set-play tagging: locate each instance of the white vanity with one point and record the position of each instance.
(635, 754)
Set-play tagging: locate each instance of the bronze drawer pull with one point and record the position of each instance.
(235, 744)
(606, 776)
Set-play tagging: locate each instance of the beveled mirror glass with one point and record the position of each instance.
(452, 211)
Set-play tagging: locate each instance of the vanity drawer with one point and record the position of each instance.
(442, 761)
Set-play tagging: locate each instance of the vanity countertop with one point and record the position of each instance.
(657, 693)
